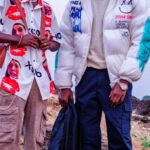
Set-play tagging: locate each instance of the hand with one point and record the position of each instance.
(65, 96)
(45, 44)
(117, 95)
(29, 40)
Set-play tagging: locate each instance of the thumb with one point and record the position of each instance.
(72, 96)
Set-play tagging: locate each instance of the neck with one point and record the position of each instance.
(34, 2)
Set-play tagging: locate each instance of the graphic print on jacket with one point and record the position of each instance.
(20, 30)
(126, 6)
(76, 10)
(48, 13)
(9, 81)
(51, 84)
(144, 50)
(13, 12)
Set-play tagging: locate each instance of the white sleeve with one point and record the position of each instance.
(2, 3)
(55, 29)
(131, 69)
(66, 55)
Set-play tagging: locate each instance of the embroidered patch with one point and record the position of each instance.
(76, 10)
(144, 50)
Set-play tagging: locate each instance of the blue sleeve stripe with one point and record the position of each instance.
(144, 49)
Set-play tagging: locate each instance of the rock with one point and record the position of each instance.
(135, 102)
(141, 107)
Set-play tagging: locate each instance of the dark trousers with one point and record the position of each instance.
(92, 95)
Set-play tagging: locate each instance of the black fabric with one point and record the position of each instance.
(65, 130)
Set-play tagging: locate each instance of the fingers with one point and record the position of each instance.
(34, 44)
(30, 40)
(63, 99)
(117, 95)
(63, 102)
(122, 99)
(117, 99)
(45, 44)
(71, 97)
(65, 96)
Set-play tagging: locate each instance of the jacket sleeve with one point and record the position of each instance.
(55, 29)
(66, 55)
(132, 67)
(2, 3)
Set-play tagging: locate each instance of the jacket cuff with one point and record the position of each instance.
(112, 84)
(126, 78)
(63, 80)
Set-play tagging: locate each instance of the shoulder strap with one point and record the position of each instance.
(42, 28)
(18, 4)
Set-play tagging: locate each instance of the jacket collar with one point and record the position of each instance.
(87, 5)
(39, 5)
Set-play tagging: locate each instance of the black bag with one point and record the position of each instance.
(65, 130)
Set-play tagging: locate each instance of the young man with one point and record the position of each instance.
(25, 87)
(101, 48)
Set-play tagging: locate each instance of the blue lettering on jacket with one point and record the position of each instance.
(1, 21)
(33, 70)
(76, 10)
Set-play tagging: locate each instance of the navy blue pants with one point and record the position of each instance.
(92, 95)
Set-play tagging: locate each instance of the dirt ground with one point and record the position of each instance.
(139, 129)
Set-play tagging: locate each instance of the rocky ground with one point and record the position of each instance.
(140, 124)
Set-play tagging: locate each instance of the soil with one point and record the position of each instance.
(140, 129)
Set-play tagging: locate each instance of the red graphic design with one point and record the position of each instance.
(40, 2)
(45, 66)
(13, 13)
(18, 51)
(10, 85)
(52, 88)
(48, 10)
(48, 21)
(124, 17)
(48, 13)
(49, 36)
